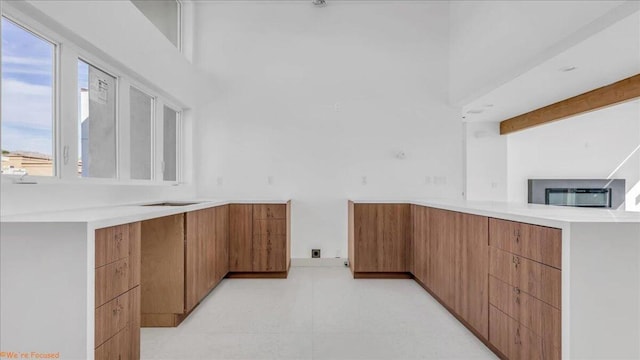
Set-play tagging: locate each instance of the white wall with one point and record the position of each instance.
(317, 98)
(486, 162)
(119, 35)
(598, 145)
(493, 42)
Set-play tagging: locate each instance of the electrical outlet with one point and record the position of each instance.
(315, 253)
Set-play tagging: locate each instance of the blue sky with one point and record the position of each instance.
(27, 83)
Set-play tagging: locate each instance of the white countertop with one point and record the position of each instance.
(99, 217)
(554, 216)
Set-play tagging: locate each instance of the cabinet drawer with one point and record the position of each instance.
(112, 244)
(269, 253)
(541, 281)
(541, 318)
(539, 243)
(116, 348)
(269, 227)
(269, 211)
(112, 317)
(112, 280)
(512, 339)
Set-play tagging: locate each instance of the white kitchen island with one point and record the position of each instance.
(600, 270)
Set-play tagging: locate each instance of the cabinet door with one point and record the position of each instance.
(538, 243)
(396, 236)
(421, 243)
(240, 237)
(512, 339)
(196, 275)
(269, 252)
(470, 267)
(269, 211)
(368, 230)
(222, 242)
(382, 234)
(210, 255)
(134, 323)
(540, 281)
(162, 275)
(442, 226)
(116, 348)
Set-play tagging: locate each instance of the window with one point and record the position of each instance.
(141, 118)
(165, 15)
(36, 140)
(27, 102)
(97, 122)
(170, 145)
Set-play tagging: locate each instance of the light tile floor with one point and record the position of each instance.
(317, 313)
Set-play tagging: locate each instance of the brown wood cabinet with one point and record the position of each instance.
(259, 240)
(442, 228)
(241, 237)
(451, 260)
(539, 243)
(381, 235)
(222, 242)
(525, 290)
(117, 299)
(184, 257)
(446, 251)
(421, 249)
(200, 250)
(470, 266)
(539, 317)
(513, 340)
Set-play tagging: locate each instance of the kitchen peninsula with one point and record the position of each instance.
(530, 281)
(81, 282)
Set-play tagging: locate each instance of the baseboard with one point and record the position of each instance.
(322, 262)
(258, 275)
(382, 275)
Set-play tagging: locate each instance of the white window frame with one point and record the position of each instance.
(92, 61)
(37, 30)
(179, 25)
(63, 106)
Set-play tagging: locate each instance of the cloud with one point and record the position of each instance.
(24, 60)
(11, 87)
(26, 116)
(6, 70)
(26, 106)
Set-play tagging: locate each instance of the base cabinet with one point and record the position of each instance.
(117, 289)
(184, 257)
(525, 290)
(380, 236)
(259, 240)
(501, 278)
(451, 260)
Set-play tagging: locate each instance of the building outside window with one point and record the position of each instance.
(28, 78)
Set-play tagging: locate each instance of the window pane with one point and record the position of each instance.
(164, 15)
(97, 125)
(170, 145)
(141, 106)
(27, 102)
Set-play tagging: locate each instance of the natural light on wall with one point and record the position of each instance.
(27, 102)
